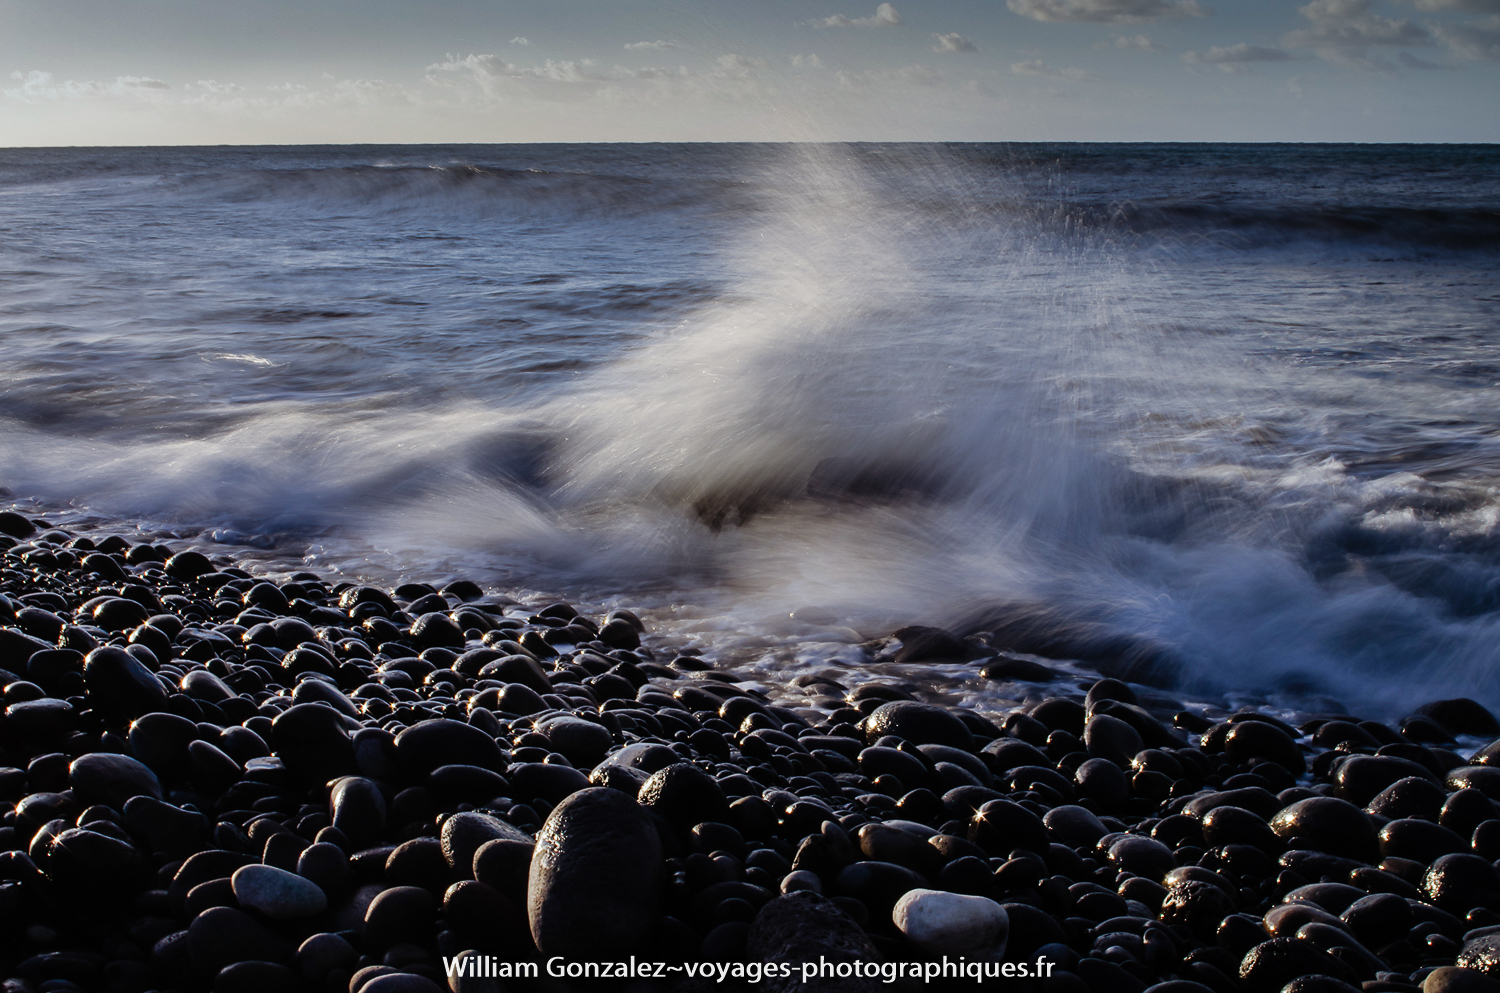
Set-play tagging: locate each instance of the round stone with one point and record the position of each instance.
(685, 795)
(918, 723)
(951, 923)
(112, 779)
(464, 834)
(1330, 825)
(592, 891)
(119, 685)
(582, 742)
(427, 745)
(280, 895)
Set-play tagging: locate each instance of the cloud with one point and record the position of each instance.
(1107, 11)
(1236, 58)
(1476, 41)
(1473, 6)
(807, 61)
(520, 40)
(1410, 61)
(1140, 43)
(953, 43)
(1349, 24)
(636, 46)
(885, 15)
(1036, 67)
(37, 86)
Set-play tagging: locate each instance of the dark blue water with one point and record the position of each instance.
(1222, 418)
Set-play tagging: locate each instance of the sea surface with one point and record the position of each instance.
(1222, 419)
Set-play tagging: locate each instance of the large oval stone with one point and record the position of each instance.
(110, 778)
(592, 892)
(119, 685)
(427, 745)
(951, 923)
(1327, 824)
(280, 895)
(918, 723)
(312, 743)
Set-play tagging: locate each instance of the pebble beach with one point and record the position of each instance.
(218, 780)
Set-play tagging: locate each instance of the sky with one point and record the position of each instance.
(155, 72)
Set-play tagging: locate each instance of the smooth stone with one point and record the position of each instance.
(805, 927)
(326, 866)
(1363, 777)
(951, 923)
(685, 795)
(427, 745)
(1378, 919)
(1328, 824)
(1459, 979)
(463, 834)
(318, 691)
(1458, 883)
(254, 977)
(1145, 857)
(313, 743)
(1409, 797)
(171, 830)
(505, 865)
(1257, 739)
(592, 892)
(1111, 739)
(1197, 905)
(1002, 825)
(1072, 824)
(397, 913)
(1484, 778)
(546, 781)
(161, 741)
(112, 779)
(1462, 716)
(918, 723)
(453, 784)
(584, 743)
(200, 684)
(1270, 965)
(1102, 781)
(400, 982)
(517, 669)
(1230, 825)
(278, 894)
(119, 685)
(436, 630)
(221, 936)
(358, 810)
(419, 862)
(1482, 955)
(1419, 840)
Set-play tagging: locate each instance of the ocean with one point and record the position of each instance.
(1218, 419)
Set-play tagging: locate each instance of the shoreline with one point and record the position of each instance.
(219, 782)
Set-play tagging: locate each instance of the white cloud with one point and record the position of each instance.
(807, 61)
(37, 85)
(1036, 67)
(520, 40)
(636, 46)
(1140, 43)
(953, 43)
(1107, 11)
(1473, 6)
(884, 16)
(1476, 41)
(1236, 58)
